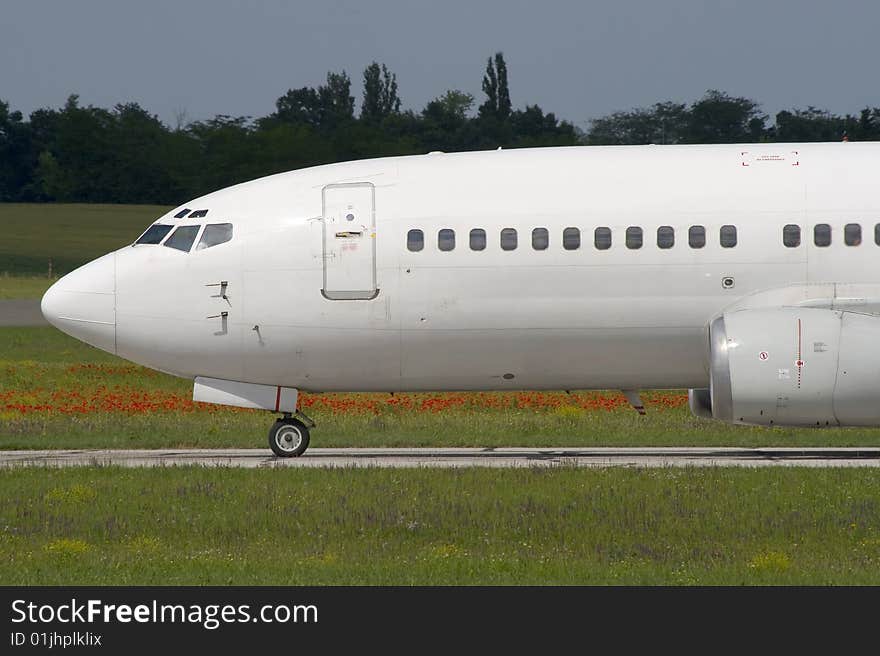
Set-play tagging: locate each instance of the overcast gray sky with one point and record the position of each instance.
(578, 59)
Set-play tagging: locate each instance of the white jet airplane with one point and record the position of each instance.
(749, 274)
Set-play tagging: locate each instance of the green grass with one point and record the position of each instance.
(69, 235)
(49, 346)
(24, 287)
(181, 526)
(37, 363)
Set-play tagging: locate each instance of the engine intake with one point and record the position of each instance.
(793, 367)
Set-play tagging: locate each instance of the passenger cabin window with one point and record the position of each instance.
(154, 234)
(727, 236)
(214, 234)
(822, 234)
(602, 238)
(852, 234)
(508, 239)
(415, 240)
(633, 237)
(182, 239)
(697, 236)
(540, 239)
(478, 239)
(446, 239)
(665, 237)
(571, 239)
(791, 236)
(877, 233)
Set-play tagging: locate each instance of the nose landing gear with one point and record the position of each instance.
(289, 436)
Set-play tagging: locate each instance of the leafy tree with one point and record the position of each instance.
(81, 156)
(380, 94)
(17, 158)
(444, 123)
(450, 109)
(503, 89)
(325, 108)
(715, 118)
(868, 126)
(809, 124)
(51, 179)
(662, 123)
(496, 88)
(284, 147)
(226, 152)
(336, 101)
(532, 127)
(140, 142)
(300, 107)
(720, 118)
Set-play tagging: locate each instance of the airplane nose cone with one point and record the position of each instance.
(83, 303)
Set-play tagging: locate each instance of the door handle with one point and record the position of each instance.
(223, 286)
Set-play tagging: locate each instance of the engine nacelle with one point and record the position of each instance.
(795, 367)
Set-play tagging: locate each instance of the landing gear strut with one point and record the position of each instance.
(289, 436)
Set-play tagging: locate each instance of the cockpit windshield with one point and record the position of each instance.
(183, 238)
(154, 234)
(215, 233)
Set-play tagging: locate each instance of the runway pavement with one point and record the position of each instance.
(24, 312)
(456, 457)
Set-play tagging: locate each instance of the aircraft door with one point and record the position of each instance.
(349, 240)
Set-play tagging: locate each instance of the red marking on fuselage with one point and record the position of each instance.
(799, 363)
(278, 399)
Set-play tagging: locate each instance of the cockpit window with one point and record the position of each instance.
(182, 239)
(154, 234)
(215, 233)
(182, 213)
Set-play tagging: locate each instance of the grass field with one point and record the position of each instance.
(20, 287)
(56, 392)
(564, 526)
(69, 235)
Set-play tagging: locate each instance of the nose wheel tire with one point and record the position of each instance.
(288, 438)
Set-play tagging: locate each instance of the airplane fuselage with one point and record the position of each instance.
(621, 258)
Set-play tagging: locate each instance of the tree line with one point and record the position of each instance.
(126, 155)
(720, 118)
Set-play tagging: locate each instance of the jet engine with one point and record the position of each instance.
(793, 367)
